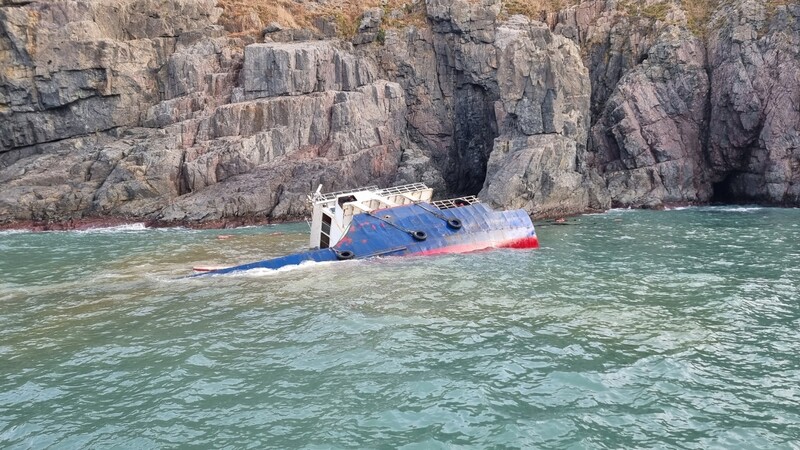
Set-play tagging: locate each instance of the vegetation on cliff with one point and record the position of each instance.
(251, 16)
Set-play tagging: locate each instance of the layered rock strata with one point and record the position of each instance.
(509, 92)
(687, 117)
(648, 141)
(754, 129)
(144, 110)
(169, 120)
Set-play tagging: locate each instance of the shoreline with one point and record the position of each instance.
(88, 223)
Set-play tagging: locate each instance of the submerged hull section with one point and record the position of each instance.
(417, 229)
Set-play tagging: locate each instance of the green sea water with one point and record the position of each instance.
(629, 329)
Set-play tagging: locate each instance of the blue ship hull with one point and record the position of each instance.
(416, 229)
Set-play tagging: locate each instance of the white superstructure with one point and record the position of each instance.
(333, 212)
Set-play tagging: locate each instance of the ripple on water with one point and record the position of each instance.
(627, 329)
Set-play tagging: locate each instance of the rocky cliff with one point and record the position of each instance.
(145, 110)
(753, 139)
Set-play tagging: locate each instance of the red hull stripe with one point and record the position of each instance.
(526, 242)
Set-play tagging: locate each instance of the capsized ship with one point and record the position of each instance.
(400, 221)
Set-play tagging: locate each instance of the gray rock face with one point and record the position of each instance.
(675, 127)
(613, 40)
(543, 85)
(176, 123)
(474, 86)
(81, 75)
(369, 27)
(409, 58)
(648, 143)
(302, 68)
(754, 132)
(79, 67)
(110, 110)
(271, 153)
(537, 173)
(543, 119)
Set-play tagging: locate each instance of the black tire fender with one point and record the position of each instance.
(345, 255)
(454, 224)
(419, 235)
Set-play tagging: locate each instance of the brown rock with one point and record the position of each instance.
(754, 131)
(648, 142)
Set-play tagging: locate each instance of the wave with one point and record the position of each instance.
(610, 211)
(133, 227)
(115, 229)
(13, 231)
(263, 272)
(738, 208)
(284, 269)
(732, 208)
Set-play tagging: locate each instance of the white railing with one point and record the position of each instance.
(404, 189)
(317, 197)
(455, 202)
(394, 190)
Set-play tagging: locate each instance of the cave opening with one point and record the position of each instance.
(475, 130)
(723, 191)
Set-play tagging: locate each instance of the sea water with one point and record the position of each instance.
(629, 329)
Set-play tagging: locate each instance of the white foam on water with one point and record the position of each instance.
(735, 208)
(116, 229)
(264, 272)
(9, 291)
(14, 231)
(109, 276)
(128, 227)
(610, 212)
(265, 225)
(261, 272)
(722, 262)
